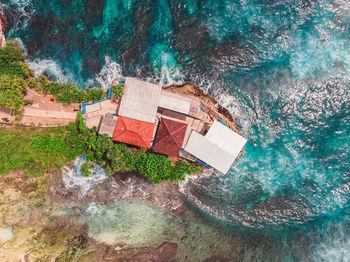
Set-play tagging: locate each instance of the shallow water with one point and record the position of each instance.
(281, 67)
(6, 234)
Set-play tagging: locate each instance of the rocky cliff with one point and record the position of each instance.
(2, 29)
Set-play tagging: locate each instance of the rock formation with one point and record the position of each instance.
(2, 29)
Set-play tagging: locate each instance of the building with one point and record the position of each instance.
(108, 124)
(134, 132)
(140, 100)
(186, 105)
(172, 124)
(93, 112)
(218, 148)
(169, 137)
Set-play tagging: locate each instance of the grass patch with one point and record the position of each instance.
(34, 150)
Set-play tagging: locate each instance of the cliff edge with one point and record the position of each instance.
(2, 29)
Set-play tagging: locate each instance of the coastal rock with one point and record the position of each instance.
(77, 211)
(2, 29)
(214, 109)
(130, 186)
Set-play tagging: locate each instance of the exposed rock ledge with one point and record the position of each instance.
(213, 108)
(2, 29)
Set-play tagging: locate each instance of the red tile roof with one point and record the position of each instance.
(170, 137)
(133, 132)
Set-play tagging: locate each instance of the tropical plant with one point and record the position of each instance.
(32, 83)
(12, 61)
(12, 90)
(117, 91)
(85, 168)
(81, 125)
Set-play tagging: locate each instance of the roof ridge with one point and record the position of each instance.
(167, 127)
(133, 132)
(145, 127)
(165, 136)
(121, 119)
(215, 144)
(177, 131)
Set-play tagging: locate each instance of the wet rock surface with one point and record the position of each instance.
(41, 233)
(119, 187)
(2, 30)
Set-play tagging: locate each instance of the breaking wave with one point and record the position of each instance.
(110, 71)
(72, 177)
(51, 68)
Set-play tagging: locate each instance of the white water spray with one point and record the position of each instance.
(72, 177)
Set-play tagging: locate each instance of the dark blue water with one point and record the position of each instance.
(281, 67)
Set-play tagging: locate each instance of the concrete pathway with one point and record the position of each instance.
(49, 113)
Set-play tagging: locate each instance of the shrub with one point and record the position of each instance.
(86, 169)
(32, 83)
(76, 142)
(94, 94)
(81, 125)
(183, 168)
(117, 91)
(12, 90)
(43, 81)
(28, 102)
(12, 61)
(118, 158)
(155, 167)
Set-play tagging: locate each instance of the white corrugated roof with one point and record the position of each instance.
(218, 148)
(208, 152)
(175, 102)
(140, 100)
(226, 138)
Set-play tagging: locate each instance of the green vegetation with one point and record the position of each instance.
(118, 158)
(86, 168)
(13, 74)
(28, 102)
(32, 83)
(117, 91)
(16, 76)
(75, 245)
(36, 151)
(158, 168)
(69, 93)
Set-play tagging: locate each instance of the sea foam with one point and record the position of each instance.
(72, 177)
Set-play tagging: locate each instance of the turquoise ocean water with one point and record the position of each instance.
(281, 67)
